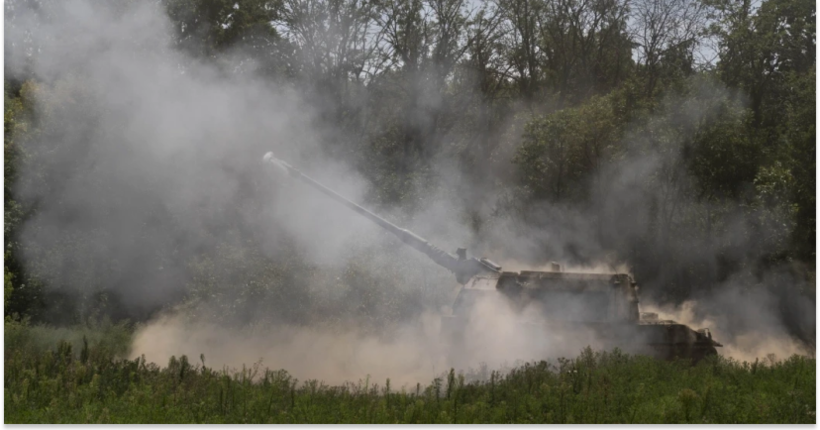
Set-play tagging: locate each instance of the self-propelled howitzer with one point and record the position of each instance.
(462, 266)
(604, 304)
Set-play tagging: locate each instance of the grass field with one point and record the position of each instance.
(81, 380)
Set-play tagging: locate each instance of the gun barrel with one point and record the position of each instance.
(462, 268)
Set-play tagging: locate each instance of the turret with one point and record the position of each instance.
(462, 266)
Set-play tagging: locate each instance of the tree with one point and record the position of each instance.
(335, 51)
(521, 28)
(17, 119)
(758, 51)
(769, 55)
(563, 151)
(426, 40)
(800, 138)
(666, 33)
(8, 287)
(586, 47)
(207, 27)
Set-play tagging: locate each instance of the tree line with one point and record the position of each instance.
(663, 122)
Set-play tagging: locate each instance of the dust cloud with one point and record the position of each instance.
(409, 354)
(768, 341)
(159, 157)
(333, 356)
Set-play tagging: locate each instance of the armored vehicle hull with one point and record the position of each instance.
(595, 309)
(664, 341)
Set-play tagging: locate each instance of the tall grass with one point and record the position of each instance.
(85, 382)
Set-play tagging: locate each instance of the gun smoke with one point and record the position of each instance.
(162, 191)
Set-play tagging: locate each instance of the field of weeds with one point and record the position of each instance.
(82, 380)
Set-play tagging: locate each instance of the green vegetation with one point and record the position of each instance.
(697, 172)
(579, 131)
(87, 384)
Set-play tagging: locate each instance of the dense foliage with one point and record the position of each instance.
(539, 104)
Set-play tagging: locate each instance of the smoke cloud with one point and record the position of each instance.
(161, 188)
(145, 135)
(407, 354)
